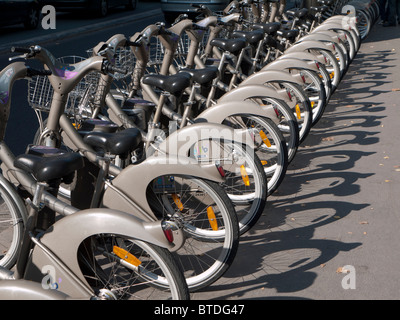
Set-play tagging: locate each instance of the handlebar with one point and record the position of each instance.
(20, 50)
(31, 51)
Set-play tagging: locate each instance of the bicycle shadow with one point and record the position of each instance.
(282, 253)
(283, 260)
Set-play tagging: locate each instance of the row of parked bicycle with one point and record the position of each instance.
(158, 151)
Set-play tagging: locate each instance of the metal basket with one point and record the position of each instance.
(40, 91)
(156, 53)
(124, 59)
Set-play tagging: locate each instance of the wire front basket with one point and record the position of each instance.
(123, 59)
(40, 91)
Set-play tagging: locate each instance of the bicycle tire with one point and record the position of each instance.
(300, 106)
(271, 153)
(211, 236)
(11, 225)
(145, 271)
(315, 90)
(287, 123)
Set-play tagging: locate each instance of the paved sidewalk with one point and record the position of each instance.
(339, 203)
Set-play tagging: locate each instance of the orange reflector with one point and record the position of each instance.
(245, 177)
(264, 162)
(264, 139)
(76, 125)
(177, 201)
(126, 256)
(332, 75)
(212, 218)
(312, 104)
(298, 112)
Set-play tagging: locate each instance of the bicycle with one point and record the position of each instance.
(134, 251)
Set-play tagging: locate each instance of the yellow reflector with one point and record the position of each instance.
(76, 125)
(212, 218)
(332, 74)
(265, 139)
(298, 112)
(245, 177)
(264, 162)
(126, 256)
(177, 201)
(312, 104)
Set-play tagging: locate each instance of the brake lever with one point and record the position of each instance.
(22, 56)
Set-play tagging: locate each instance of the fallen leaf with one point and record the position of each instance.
(396, 89)
(388, 180)
(337, 217)
(385, 157)
(327, 139)
(342, 270)
(364, 232)
(323, 265)
(363, 222)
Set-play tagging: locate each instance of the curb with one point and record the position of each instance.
(40, 40)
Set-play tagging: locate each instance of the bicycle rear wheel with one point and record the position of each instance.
(270, 146)
(121, 268)
(300, 106)
(202, 210)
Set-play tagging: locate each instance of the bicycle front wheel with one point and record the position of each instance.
(120, 268)
(11, 225)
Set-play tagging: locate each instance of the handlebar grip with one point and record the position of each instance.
(21, 50)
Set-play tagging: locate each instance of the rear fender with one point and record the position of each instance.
(235, 106)
(310, 45)
(334, 35)
(127, 191)
(319, 37)
(282, 64)
(67, 234)
(262, 77)
(303, 56)
(255, 90)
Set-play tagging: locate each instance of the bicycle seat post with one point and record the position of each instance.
(189, 103)
(155, 123)
(35, 206)
(104, 164)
